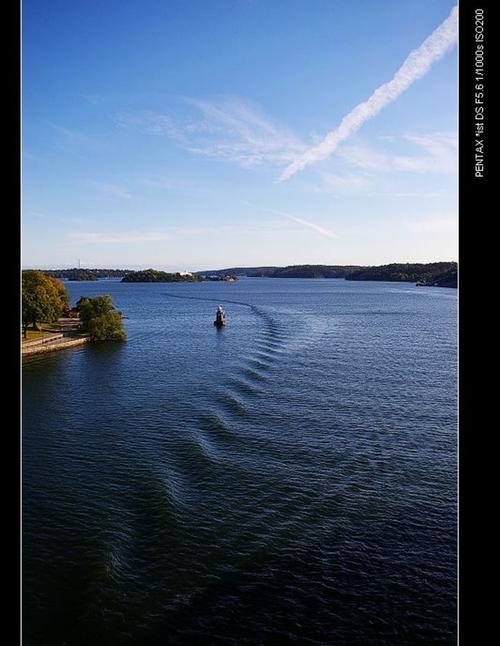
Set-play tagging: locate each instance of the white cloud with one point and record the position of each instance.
(224, 128)
(436, 154)
(440, 156)
(416, 65)
(234, 130)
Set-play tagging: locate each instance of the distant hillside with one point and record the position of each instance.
(237, 271)
(440, 273)
(290, 271)
(314, 271)
(447, 279)
(85, 274)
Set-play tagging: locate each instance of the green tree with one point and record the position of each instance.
(99, 319)
(43, 299)
(89, 308)
(106, 327)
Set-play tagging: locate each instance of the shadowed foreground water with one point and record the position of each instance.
(288, 479)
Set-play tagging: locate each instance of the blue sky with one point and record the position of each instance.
(155, 134)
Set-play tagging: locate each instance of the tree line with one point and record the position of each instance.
(75, 273)
(428, 273)
(435, 273)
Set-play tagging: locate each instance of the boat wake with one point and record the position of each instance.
(230, 416)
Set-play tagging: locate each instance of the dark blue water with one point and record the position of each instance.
(289, 479)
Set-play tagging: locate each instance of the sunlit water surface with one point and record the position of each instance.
(287, 479)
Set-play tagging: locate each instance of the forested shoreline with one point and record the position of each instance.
(439, 274)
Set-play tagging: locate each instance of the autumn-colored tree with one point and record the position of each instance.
(43, 299)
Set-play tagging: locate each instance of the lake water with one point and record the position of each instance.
(289, 479)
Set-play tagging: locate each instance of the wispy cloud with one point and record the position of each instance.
(165, 183)
(363, 169)
(231, 129)
(339, 183)
(346, 180)
(72, 136)
(249, 137)
(64, 219)
(422, 194)
(416, 65)
(441, 149)
(174, 233)
(94, 99)
(110, 189)
(120, 237)
(149, 123)
(440, 156)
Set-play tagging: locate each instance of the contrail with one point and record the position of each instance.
(322, 230)
(415, 66)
